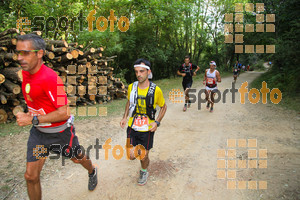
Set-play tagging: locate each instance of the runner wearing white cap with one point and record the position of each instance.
(211, 77)
(143, 98)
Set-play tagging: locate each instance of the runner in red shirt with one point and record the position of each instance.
(44, 93)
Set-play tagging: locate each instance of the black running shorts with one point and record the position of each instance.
(54, 142)
(142, 138)
(187, 84)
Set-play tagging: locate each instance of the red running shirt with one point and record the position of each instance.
(44, 93)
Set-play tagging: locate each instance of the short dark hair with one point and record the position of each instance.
(185, 57)
(36, 41)
(142, 60)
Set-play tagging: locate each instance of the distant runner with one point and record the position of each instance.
(211, 77)
(186, 71)
(239, 68)
(235, 73)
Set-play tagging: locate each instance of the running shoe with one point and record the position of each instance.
(184, 108)
(189, 104)
(93, 180)
(211, 110)
(207, 106)
(143, 177)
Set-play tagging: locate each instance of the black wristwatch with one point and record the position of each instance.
(35, 120)
(158, 123)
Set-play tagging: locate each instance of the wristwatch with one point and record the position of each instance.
(35, 120)
(158, 123)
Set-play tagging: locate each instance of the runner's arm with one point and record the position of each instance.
(180, 74)
(161, 113)
(160, 116)
(204, 77)
(124, 120)
(196, 70)
(218, 77)
(61, 114)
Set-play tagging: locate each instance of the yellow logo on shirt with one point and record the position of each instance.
(27, 88)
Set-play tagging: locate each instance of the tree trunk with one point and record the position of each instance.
(57, 43)
(8, 56)
(50, 55)
(60, 50)
(3, 99)
(9, 31)
(17, 109)
(3, 116)
(14, 88)
(2, 78)
(14, 73)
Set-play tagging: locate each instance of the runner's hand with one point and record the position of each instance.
(204, 82)
(154, 126)
(183, 74)
(194, 73)
(123, 123)
(23, 119)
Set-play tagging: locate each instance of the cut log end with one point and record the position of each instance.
(3, 116)
(17, 109)
(2, 78)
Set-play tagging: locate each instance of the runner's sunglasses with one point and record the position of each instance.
(25, 52)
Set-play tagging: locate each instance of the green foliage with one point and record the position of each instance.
(258, 66)
(285, 70)
(164, 31)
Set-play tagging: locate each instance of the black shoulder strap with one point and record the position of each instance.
(150, 101)
(150, 94)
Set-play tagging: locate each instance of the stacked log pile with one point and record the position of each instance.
(87, 75)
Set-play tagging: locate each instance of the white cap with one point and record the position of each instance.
(212, 63)
(150, 76)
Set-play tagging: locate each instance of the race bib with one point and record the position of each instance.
(210, 81)
(235, 70)
(140, 123)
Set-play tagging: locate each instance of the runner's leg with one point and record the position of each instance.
(85, 162)
(184, 85)
(207, 93)
(129, 149)
(212, 97)
(143, 172)
(187, 97)
(32, 177)
(145, 161)
(92, 170)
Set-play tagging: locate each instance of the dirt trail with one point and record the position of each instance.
(184, 158)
